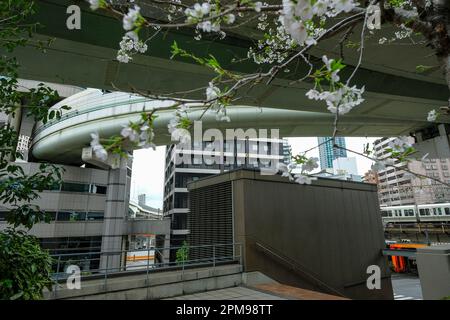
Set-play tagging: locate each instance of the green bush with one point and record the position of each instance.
(183, 253)
(25, 268)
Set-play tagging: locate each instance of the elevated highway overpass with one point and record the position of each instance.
(397, 97)
(62, 140)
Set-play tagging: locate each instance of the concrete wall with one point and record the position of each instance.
(71, 201)
(433, 264)
(330, 231)
(158, 285)
(114, 226)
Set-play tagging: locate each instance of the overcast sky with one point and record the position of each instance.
(148, 166)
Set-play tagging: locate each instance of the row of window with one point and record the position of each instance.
(435, 167)
(68, 215)
(80, 187)
(410, 212)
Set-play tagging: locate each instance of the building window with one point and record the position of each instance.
(98, 189)
(95, 216)
(78, 216)
(71, 216)
(74, 187)
(83, 187)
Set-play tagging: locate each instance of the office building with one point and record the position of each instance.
(397, 186)
(90, 211)
(241, 154)
(327, 153)
(371, 176)
(345, 166)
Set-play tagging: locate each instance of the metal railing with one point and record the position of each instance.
(297, 267)
(109, 264)
(77, 112)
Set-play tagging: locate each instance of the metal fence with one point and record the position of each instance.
(108, 264)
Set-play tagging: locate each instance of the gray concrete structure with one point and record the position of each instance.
(397, 98)
(248, 153)
(156, 285)
(117, 199)
(433, 264)
(91, 206)
(434, 141)
(321, 236)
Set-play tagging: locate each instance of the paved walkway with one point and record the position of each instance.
(235, 293)
(295, 293)
(406, 287)
(260, 292)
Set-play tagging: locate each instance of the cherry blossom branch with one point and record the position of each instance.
(392, 165)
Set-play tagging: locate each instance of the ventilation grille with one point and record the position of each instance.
(210, 222)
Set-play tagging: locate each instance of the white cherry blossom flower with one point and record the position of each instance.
(288, 8)
(313, 94)
(258, 6)
(205, 26)
(303, 10)
(198, 11)
(181, 135)
(221, 114)
(131, 17)
(131, 35)
(99, 151)
(378, 166)
(344, 5)
(303, 179)
(334, 76)
(230, 18)
(298, 31)
(284, 169)
(123, 57)
(310, 164)
(432, 115)
(212, 92)
(327, 62)
(146, 137)
(205, 8)
(320, 7)
(183, 108)
(343, 100)
(400, 144)
(130, 133)
(173, 124)
(94, 4)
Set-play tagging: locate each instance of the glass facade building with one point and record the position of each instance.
(327, 153)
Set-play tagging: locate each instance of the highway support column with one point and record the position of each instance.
(433, 264)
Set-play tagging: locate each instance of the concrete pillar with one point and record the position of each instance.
(166, 252)
(437, 147)
(433, 264)
(163, 241)
(116, 209)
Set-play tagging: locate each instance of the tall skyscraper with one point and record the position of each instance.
(326, 152)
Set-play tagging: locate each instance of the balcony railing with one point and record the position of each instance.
(97, 264)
